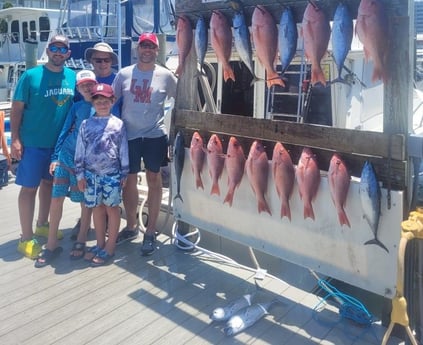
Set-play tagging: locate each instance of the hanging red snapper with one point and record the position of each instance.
(283, 176)
(197, 155)
(372, 30)
(316, 33)
(265, 38)
(235, 165)
(184, 37)
(215, 161)
(339, 183)
(257, 168)
(221, 42)
(308, 178)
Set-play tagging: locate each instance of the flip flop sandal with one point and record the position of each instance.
(78, 247)
(91, 253)
(46, 256)
(102, 258)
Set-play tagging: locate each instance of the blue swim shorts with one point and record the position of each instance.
(33, 167)
(102, 190)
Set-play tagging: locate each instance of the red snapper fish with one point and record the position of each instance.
(221, 42)
(283, 176)
(235, 165)
(215, 161)
(184, 38)
(257, 168)
(265, 38)
(197, 155)
(308, 178)
(316, 33)
(339, 183)
(372, 30)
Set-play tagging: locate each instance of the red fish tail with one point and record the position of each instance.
(286, 211)
(199, 183)
(317, 75)
(308, 211)
(343, 219)
(228, 73)
(274, 79)
(229, 198)
(379, 74)
(263, 207)
(215, 189)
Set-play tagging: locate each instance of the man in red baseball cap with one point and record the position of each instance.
(144, 88)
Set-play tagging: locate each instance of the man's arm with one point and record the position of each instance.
(16, 114)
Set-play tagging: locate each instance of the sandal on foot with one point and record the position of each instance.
(46, 256)
(77, 251)
(91, 252)
(102, 258)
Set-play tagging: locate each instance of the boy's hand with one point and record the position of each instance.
(82, 184)
(52, 168)
(123, 182)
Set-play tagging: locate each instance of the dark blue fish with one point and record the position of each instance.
(342, 34)
(370, 198)
(201, 41)
(242, 41)
(287, 38)
(179, 159)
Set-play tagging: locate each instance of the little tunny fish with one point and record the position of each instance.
(235, 164)
(342, 34)
(184, 37)
(339, 183)
(226, 312)
(370, 196)
(197, 155)
(257, 168)
(221, 42)
(316, 33)
(201, 39)
(283, 177)
(372, 30)
(308, 178)
(215, 161)
(242, 41)
(265, 38)
(287, 38)
(179, 159)
(247, 317)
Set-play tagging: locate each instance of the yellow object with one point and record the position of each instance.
(42, 230)
(30, 248)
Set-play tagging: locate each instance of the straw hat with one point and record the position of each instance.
(104, 48)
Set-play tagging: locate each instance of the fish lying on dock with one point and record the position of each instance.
(226, 312)
(370, 198)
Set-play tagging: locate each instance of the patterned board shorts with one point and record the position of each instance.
(102, 190)
(65, 183)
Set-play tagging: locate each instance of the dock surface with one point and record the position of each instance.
(162, 299)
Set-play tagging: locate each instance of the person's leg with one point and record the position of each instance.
(154, 200)
(130, 201)
(99, 217)
(44, 197)
(85, 223)
(113, 214)
(56, 210)
(26, 205)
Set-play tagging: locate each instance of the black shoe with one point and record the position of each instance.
(127, 235)
(148, 247)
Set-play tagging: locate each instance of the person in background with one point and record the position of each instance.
(102, 57)
(62, 167)
(102, 166)
(144, 87)
(42, 99)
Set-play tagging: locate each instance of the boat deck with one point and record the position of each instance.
(162, 299)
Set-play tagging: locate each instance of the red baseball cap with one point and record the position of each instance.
(102, 90)
(150, 37)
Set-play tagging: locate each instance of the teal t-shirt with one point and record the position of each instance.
(47, 96)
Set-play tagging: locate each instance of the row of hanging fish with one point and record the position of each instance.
(284, 173)
(269, 39)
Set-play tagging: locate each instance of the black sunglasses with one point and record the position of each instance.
(56, 49)
(100, 60)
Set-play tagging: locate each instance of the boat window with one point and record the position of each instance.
(32, 30)
(44, 24)
(25, 32)
(14, 28)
